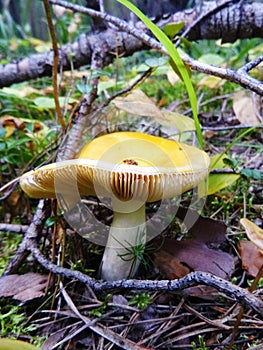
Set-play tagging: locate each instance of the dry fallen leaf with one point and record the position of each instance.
(177, 258)
(201, 228)
(254, 232)
(23, 287)
(251, 257)
(138, 103)
(11, 124)
(244, 108)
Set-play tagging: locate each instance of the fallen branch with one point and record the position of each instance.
(238, 294)
(13, 228)
(128, 40)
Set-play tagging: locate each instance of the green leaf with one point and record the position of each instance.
(2, 146)
(19, 142)
(84, 88)
(156, 62)
(177, 60)
(230, 162)
(254, 174)
(51, 221)
(171, 29)
(49, 103)
(212, 58)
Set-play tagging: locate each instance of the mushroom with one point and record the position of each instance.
(131, 169)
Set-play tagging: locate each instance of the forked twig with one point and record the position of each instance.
(238, 294)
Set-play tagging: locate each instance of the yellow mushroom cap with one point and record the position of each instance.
(123, 164)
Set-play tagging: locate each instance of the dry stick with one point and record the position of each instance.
(70, 145)
(37, 224)
(237, 293)
(239, 77)
(13, 228)
(55, 62)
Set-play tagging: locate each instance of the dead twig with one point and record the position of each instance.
(241, 295)
(55, 62)
(13, 228)
(37, 224)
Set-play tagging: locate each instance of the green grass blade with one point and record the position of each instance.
(175, 57)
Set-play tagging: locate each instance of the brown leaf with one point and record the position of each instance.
(200, 228)
(175, 259)
(23, 287)
(251, 257)
(193, 255)
(169, 267)
(136, 102)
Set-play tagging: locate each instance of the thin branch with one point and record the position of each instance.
(37, 224)
(252, 64)
(70, 145)
(237, 293)
(55, 63)
(13, 228)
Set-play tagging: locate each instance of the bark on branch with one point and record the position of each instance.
(237, 293)
(129, 39)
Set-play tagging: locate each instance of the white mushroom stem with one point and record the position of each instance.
(127, 231)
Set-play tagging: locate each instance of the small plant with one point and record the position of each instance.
(201, 346)
(98, 312)
(13, 321)
(134, 254)
(8, 246)
(141, 301)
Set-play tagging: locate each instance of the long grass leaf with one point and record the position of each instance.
(175, 57)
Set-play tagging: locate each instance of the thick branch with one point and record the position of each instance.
(80, 53)
(127, 41)
(230, 20)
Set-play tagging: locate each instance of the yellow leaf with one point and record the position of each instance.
(139, 104)
(254, 233)
(180, 121)
(217, 182)
(9, 130)
(211, 82)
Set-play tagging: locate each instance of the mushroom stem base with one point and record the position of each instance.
(125, 245)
